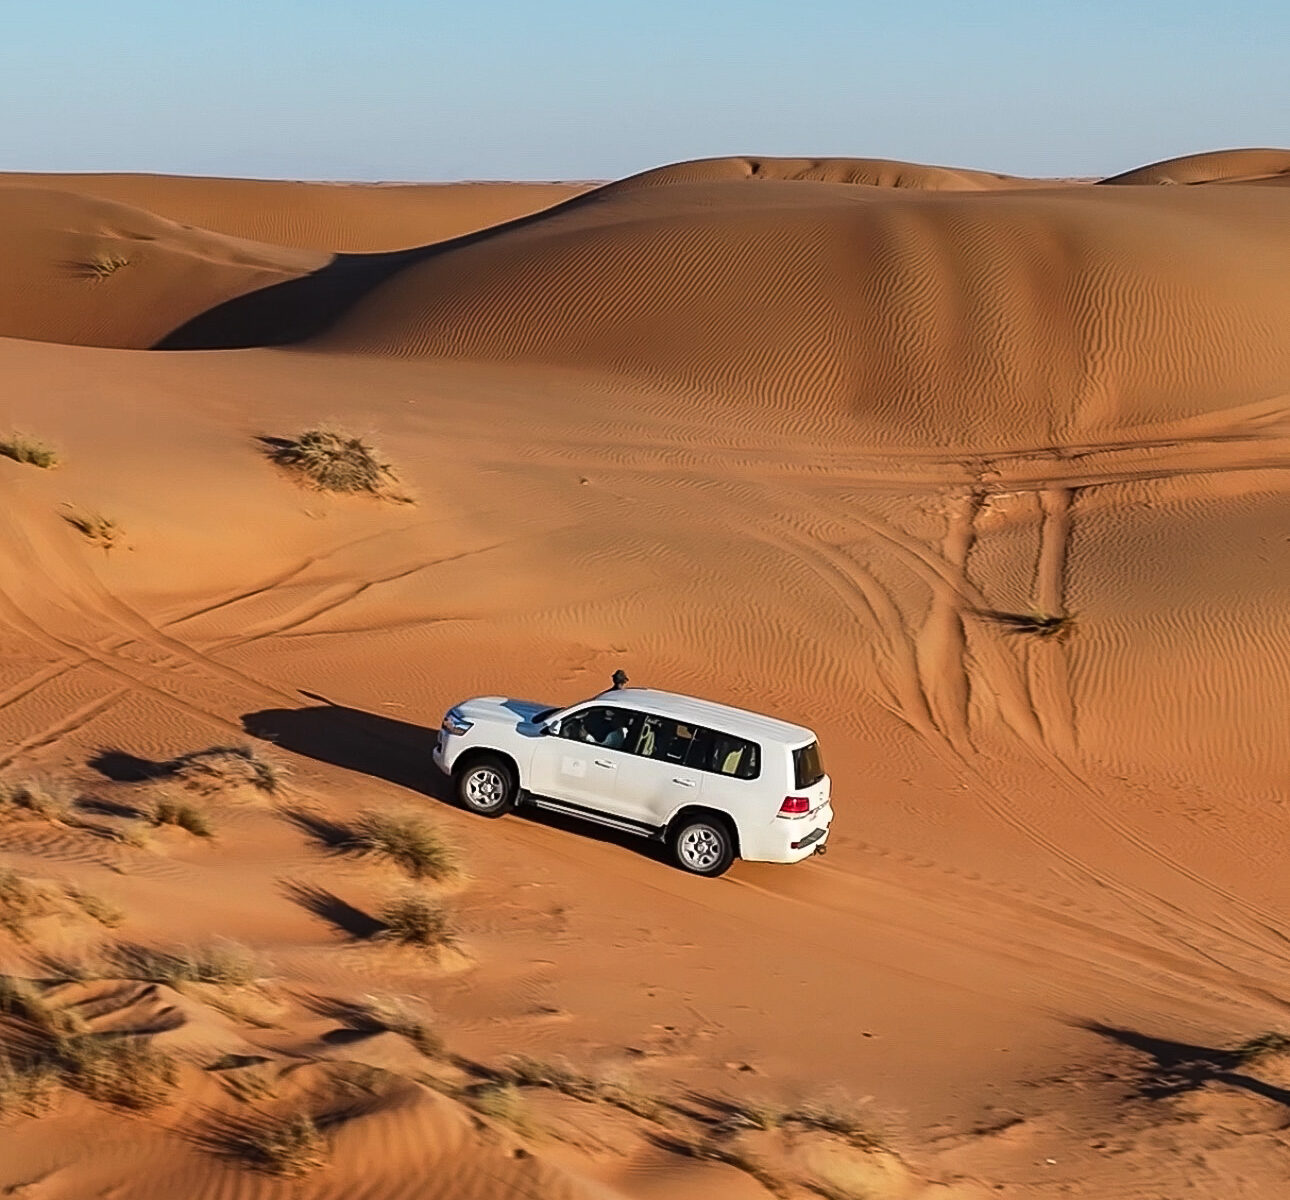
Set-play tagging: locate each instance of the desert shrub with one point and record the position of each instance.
(333, 461)
(526, 1071)
(95, 907)
(222, 767)
(290, 1146)
(20, 902)
(1264, 1045)
(408, 839)
(26, 1087)
(225, 963)
(95, 527)
(99, 266)
(1035, 622)
(503, 1102)
(396, 1015)
(25, 1000)
(169, 811)
(417, 920)
(27, 450)
(125, 1071)
(50, 799)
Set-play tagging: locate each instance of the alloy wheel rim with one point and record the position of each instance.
(485, 788)
(701, 848)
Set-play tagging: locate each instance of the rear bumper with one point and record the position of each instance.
(789, 840)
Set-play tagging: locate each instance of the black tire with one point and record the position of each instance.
(486, 786)
(702, 844)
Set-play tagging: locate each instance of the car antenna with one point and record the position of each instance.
(620, 679)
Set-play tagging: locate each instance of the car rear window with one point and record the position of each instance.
(808, 767)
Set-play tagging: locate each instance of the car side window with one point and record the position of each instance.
(725, 754)
(664, 739)
(609, 728)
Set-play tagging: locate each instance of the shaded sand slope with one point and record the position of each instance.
(990, 321)
(95, 272)
(341, 217)
(1219, 166)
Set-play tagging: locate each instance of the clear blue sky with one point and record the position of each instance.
(571, 89)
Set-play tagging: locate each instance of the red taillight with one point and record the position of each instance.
(794, 805)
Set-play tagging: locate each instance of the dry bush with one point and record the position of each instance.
(416, 920)
(228, 964)
(99, 267)
(290, 1146)
(26, 1088)
(25, 1000)
(27, 450)
(334, 461)
(396, 1015)
(408, 839)
(503, 1102)
(840, 1117)
(128, 1072)
(1035, 622)
(220, 768)
(1263, 1046)
(20, 902)
(100, 530)
(169, 811)
(95, 907)
(569, 1081)
(50, 799)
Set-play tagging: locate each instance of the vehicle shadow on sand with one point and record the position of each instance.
(399, 753)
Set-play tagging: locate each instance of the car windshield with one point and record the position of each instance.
(538, 717)
(808, 767)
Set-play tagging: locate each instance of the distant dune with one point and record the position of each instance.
(1222, 166)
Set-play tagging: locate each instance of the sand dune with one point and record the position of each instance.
(98, 273)
(872, 172)
(1221, 166)
(340, 218)
(984, 480)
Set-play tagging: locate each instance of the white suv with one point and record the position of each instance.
(713, 782)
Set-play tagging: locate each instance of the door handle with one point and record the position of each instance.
(684, 782)
(600, 762)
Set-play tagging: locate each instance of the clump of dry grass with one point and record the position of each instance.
(397, 1015)
(170, 811)
(1036, 622)
(100, 266)
(26, 1087)
(569, 1081)
(408, 839)
(289, 1146)
(837, 1116)
(225, 963)
(20, 901)
(502, 1101)
(222, 767)
(128, 1072)
(417, 920)
(50, 799)
(25, 1000)
(95, 907)
(101, 530)
(1262, 1046)
(27, 450)
(334, 461)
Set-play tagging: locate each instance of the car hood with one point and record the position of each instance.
(500, 710)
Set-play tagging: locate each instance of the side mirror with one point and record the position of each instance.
(551, 729)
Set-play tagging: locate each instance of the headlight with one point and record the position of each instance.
(454, 722)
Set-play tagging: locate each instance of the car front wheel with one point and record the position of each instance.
(703, 846)
(487, 787)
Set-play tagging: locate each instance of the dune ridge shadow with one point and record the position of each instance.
(296, 310)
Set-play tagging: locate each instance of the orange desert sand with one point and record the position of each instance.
(986, 479)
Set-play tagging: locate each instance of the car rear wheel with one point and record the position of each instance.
(703, 845)
(487, 787)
